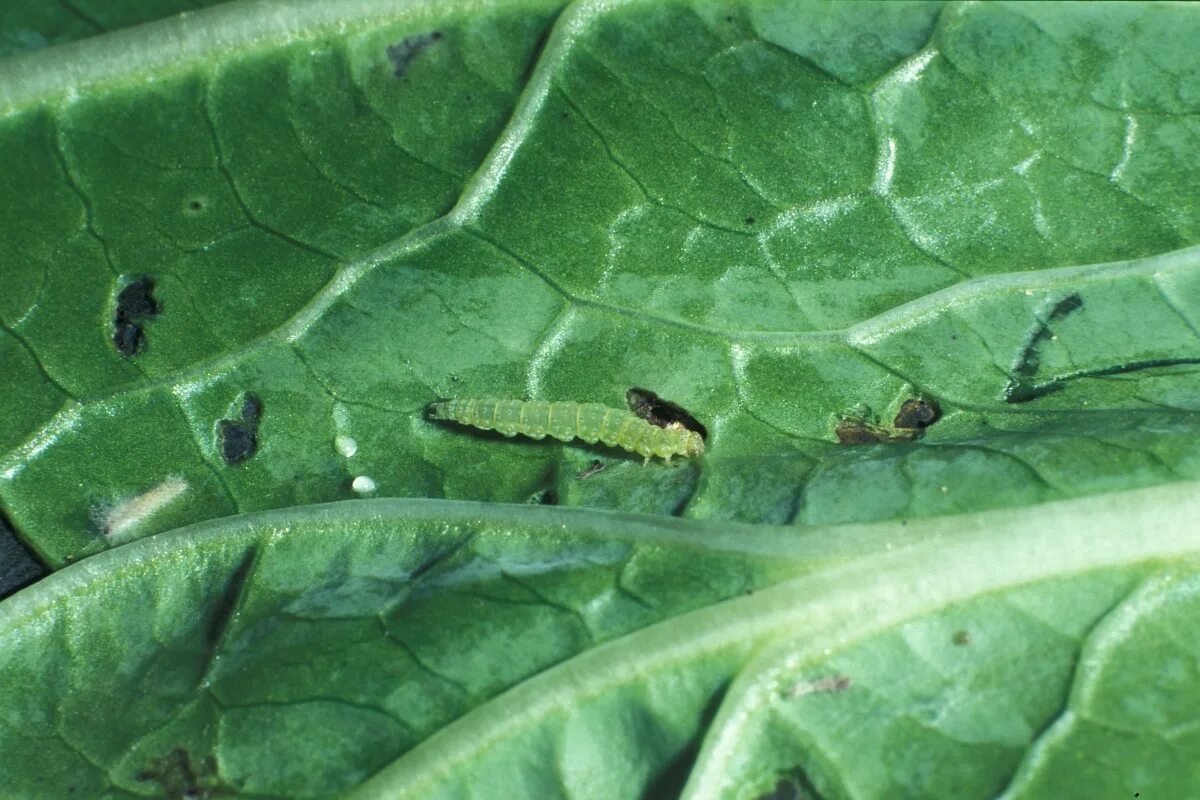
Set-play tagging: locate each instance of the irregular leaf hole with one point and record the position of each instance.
(134, 303)
(860, 426)
(238, 441)
(663, 413)
(857, 430)
(239, 438)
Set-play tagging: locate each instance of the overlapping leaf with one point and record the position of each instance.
(785, 217)
(243, 248)
(465, 650)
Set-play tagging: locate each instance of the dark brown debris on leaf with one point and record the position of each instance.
(917, 414)
(852, 430)
(914, 416)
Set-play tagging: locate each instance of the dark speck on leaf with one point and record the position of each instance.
(749, 220)
(917, 413)
(962, 638)
(403, 52)
(195, 205)
(135, 302)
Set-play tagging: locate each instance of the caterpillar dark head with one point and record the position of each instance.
(432, 410)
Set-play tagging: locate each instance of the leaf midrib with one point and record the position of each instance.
(933, 563)
(192, 39)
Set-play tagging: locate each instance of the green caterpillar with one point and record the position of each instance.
(569, 420)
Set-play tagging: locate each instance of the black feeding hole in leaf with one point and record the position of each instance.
(663, 413)
(135, 303)
(239, 438)
(917, 414)
(403, 52)
(238, 441)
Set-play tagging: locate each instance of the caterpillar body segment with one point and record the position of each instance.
(569, 420)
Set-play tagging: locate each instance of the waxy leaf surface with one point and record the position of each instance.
(439, 649)
(789, 218)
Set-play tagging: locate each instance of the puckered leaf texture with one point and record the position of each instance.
(927, 274)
